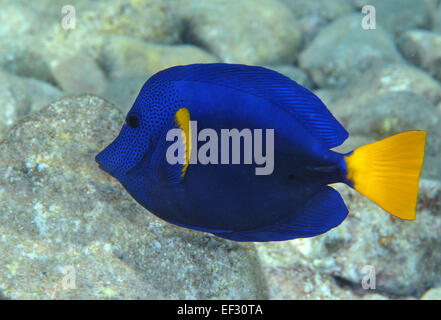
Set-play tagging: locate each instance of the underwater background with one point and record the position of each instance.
(69, 72)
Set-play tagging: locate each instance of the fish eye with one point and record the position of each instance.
(133, 121)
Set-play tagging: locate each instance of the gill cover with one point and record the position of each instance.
(165, 151)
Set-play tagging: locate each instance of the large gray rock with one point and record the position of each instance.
(432, 294)
(397, 16)
(20, 96)
(391, 99)
(242, 31)
(33, 47)
(19, 56)
(423, 48)
(20, 44)
(314, 15)
(149, 20)
(344, 50)
(77, 74)
(122, 91)
(17, 19)
(386, 79)
(404, 254)
(390, 113)
(437, 19)
(292, 277)
(126, 56)
(57, 209)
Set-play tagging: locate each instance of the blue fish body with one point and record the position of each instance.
(230, 200)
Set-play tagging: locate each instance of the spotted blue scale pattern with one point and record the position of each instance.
(154, 107)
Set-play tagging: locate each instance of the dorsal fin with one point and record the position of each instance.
(301, 103)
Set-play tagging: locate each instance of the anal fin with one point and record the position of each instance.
(324, 211)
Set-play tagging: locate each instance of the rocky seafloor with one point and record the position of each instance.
(64, 94)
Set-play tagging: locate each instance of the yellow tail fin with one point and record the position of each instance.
(387, 172)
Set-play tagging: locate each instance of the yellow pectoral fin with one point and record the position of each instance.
(182, 119)
(388, 171)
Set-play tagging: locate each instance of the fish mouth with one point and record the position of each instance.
(108, 169)
(101, 165)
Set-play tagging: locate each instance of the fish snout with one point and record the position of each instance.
(100, 160)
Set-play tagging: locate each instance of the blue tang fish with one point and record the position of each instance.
(293, 199)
